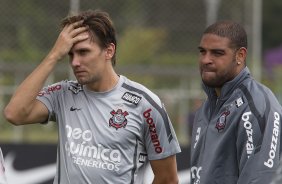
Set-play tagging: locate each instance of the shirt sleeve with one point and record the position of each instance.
(160, 138)
(258, 144)
(48, 97)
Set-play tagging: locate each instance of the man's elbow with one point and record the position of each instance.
(11, 116)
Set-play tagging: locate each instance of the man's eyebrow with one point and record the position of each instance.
(213, 50)
(79, 50)
(217, 50)
(200, 48)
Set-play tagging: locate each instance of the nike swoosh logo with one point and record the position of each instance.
(44, 173)
(74, 109)
(29, 176)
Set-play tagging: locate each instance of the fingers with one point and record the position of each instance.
(75, 28)
(77, 31)
(70, 35)
(77, 24)
(80, 37)
(74, 25)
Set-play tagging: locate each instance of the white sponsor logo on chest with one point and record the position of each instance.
(131, 98)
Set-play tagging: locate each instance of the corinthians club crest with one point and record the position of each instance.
(220, 125)
(118, 120)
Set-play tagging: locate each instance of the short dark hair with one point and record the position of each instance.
(231, 30)
(101, 27)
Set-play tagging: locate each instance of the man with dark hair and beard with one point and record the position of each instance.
(236, 132)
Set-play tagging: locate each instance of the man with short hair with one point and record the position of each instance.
(110, 127)
(236, 133)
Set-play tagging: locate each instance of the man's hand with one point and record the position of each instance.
(23, 107)
(71, 34)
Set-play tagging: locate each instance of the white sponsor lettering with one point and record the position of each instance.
(83, 153)
(99, 152)
(95, 163)
(197, 136)
(195, 174)
(249, 131)
(77, 133)
(275, 133)
(132, 98)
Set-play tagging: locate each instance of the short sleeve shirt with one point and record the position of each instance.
(108, 137)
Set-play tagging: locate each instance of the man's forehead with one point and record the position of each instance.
(81, 45)
(212, 41)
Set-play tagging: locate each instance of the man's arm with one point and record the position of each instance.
(165, 170)
(260, 139)
(23, 107)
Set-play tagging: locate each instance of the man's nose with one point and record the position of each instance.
(75, 61)
(206, 58)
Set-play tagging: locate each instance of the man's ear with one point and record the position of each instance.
(241, 55)
(110, 51)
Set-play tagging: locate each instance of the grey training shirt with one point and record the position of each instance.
(108, 137)
(236, 137)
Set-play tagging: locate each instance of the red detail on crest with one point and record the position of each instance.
(220, 125)
(118, 120)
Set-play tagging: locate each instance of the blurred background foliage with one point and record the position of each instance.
(157, 46)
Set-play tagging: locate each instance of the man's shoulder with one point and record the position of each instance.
(140, 90)
(259, 94)
(257, 89)
(65, 85)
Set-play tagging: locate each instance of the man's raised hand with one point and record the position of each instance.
(71, 34)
